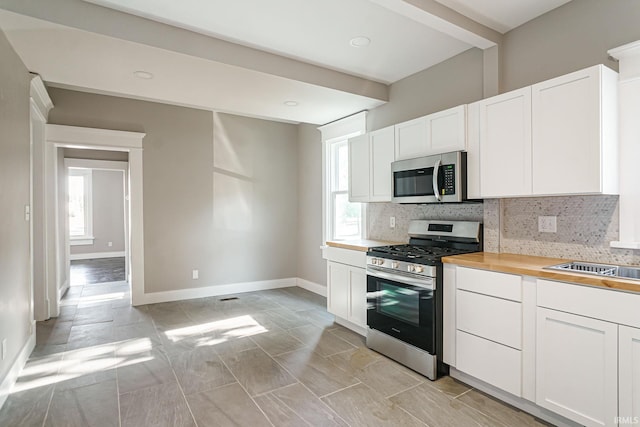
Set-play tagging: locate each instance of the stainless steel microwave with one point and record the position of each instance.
(440, 178)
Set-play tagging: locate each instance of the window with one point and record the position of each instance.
(80, 206)
(345, 217)
(340, 219)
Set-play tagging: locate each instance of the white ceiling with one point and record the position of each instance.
(280, 50)
(502, 15)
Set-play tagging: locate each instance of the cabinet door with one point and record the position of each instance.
(447, 130)
(629, 378)
(577, 367)
(505, 144)
(567, 134)
(359, 168)
(382, 152)
(411, 139)
(358, 296)
(338, 289)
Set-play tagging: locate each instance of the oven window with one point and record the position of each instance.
(400, 303)
(418, 182)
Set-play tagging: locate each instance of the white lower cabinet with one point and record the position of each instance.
(577, 367)
(347, 292)
(629, 375)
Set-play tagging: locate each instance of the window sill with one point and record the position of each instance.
(81, 241)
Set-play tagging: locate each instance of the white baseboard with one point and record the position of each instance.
(312, 286)
(212, 291)
(10, 379)
(97, 255)
(63, 289)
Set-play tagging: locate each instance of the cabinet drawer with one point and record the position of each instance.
(600, 303)
(501, 285)
(496, 364)
(346, 256)
(492, 318)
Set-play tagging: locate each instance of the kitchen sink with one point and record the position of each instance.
(599, 269)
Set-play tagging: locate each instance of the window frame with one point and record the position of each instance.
(87, 238)
(332, 194)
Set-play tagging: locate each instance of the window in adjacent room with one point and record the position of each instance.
(80, 206)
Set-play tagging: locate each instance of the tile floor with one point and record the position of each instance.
(269, 358)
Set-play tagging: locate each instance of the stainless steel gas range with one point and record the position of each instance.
(404, 292)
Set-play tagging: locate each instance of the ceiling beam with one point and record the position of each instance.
(445, 20)
(96, 19)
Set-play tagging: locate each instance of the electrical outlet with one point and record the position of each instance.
(547, 224)
(110, 244)
(4, 348)
(392, 222)
(194, 274)
(27, 212)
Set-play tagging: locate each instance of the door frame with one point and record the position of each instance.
(59, 137)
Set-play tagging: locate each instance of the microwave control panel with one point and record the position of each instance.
(449, 184)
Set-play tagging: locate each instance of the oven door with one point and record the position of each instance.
(403, 307)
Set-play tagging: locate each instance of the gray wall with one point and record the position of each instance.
(108, 213)
(205, 208)
(15, 295)
(311, 265)
(569, 38)
(77, 153)
(448, 84)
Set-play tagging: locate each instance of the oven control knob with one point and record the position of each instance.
(378, 261)
(410, 267)
(417, 269)
(395, 264)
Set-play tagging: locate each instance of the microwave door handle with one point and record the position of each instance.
(436, 190)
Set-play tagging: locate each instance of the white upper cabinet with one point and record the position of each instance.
(447, 130)
(574, 133)
(370, 158)
(411, 139)
(359, 168)
(505, 144)
(555, 137)
(436, 133)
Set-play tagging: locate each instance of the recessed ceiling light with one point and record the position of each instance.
(143, 75)
(291, 103)
(360, 41)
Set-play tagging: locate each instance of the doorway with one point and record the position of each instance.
(96, 216)
(59, 139)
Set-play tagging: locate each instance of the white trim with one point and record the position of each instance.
(97, 255)
(211, 291)
(311, 286)
(345, 127)
(12, 375)
(80, 137)
(40, 97)
(59, 136)
(63, 289)
(81, 240)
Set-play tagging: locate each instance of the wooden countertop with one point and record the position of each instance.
(533, 266)
(360, 245)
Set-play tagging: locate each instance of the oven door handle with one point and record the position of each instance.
(421, 283)
(436, 189)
